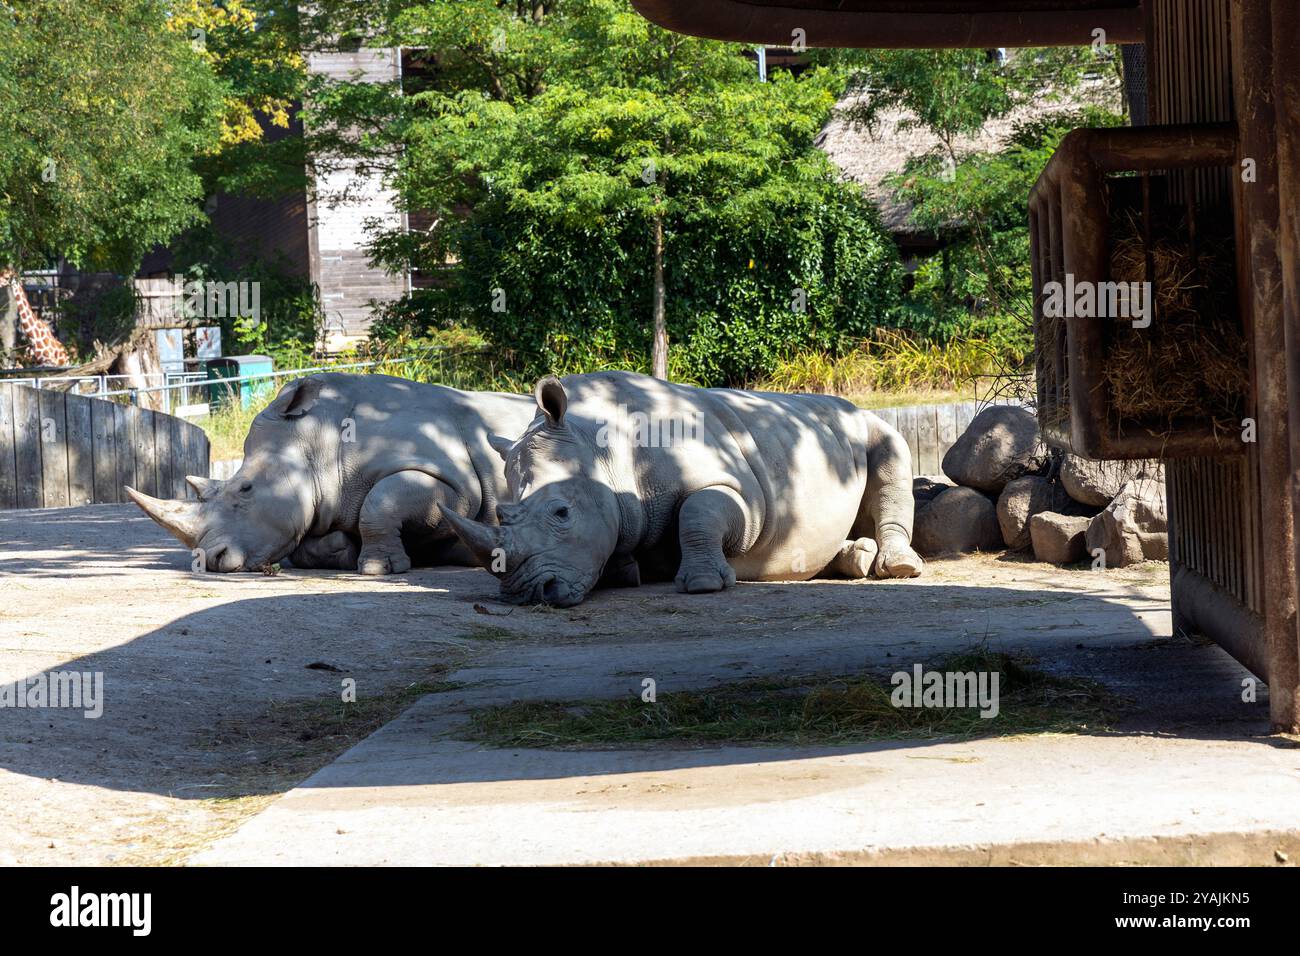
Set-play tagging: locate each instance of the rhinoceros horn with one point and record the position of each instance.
(179, 517)
(488, 543)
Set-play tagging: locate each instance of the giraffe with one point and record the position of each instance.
(42, 346)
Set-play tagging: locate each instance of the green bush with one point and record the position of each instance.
(578, 298)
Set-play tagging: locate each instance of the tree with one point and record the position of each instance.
(102, 110)
(582, 133)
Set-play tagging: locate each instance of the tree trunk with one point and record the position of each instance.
(8, 326)
(659, 354)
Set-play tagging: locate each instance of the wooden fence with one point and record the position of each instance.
(59, 449)
(930, 430)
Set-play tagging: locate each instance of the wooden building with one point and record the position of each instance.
(1219, 142)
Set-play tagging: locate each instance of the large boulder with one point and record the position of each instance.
(1134, 526)
(925, 488)
(1096, 483)
(956, 521)
(1000, 445)
(1020, 500)
(1058, 538)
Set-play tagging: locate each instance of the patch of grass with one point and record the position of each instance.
(809, 710)
(228, 427)
(488, 632)
(892, 363)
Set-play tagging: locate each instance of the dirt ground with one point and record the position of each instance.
(223, 691)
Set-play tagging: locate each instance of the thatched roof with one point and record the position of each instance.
(871, 157)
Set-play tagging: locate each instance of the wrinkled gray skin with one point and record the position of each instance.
(751, 485)
(351, 472)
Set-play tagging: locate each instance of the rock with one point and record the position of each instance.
(1096, 483)
(1000, 445)
(1134, 526)
(957, 520)
(1058, 538)
(925, 488)
(1020, 500)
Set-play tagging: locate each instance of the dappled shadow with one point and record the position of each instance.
(191, 703)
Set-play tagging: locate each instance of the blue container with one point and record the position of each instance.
(248, 392)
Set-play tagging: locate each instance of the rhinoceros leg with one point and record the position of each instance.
(336, 551)
(888, 503)
(707, 520)
(407, 498)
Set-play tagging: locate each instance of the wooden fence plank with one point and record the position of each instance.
(181, 454)
(27, 447)
(142, 438)
(124, 425)
(8, 463)
(162, 454)
(927, 439)
(103, 440)
(81, 451)
(965, 415)
(54, 448)
(202, 452)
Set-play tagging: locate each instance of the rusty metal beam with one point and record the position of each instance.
(886, 24)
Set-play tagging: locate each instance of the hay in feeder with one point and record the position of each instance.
(1190, 365)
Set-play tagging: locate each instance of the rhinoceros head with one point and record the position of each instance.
(257, 516)
(553, 542)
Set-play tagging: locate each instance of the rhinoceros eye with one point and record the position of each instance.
(246, 487)
(562, 511)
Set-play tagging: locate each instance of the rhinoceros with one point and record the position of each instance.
(620, 475)
(351, 472)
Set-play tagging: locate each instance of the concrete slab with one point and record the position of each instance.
(402, 798)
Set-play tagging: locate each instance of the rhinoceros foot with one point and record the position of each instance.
(856, 558)
(383, 562)
(700, 575)
(898, 561)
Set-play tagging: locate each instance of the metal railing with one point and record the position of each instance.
(182, 382)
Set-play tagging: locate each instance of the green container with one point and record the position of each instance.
(248, 393)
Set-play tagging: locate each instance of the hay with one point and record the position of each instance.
(1190, 365)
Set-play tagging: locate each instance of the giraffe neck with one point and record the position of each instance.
(42, 346)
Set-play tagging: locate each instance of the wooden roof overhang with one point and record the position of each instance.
(902, 23)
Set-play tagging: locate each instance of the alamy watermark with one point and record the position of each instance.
(1098, 300)
(70, 690)
(947, 689)
(222, 300)
(648, 430)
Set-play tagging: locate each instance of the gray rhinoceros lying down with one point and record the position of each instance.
(621, 475)
(351, 472)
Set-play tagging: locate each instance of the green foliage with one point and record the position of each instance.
(102, 110)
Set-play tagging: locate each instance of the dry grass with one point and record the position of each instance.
(887, 367)
(1191, 363)
(804, 710)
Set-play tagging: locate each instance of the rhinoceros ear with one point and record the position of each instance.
(205, 488)
(297, 398)
(552, 399)
(501, 446)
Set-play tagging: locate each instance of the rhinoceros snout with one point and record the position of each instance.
(224, 559)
